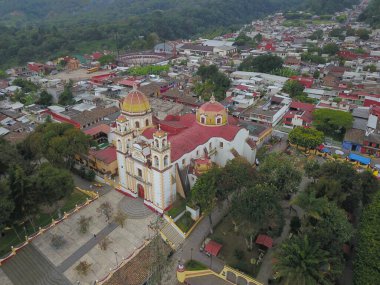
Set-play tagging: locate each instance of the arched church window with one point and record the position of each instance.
(156, 142)
(218, 120)
(119, 127)
(203, 120)
(166, 160)
(163, 142)
(137, 124)
(119, 145)
(156, 161)
(146, 122)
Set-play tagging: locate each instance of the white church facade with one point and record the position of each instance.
(151, 157)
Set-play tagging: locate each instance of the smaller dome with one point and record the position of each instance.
(135, 102)
(212, 113)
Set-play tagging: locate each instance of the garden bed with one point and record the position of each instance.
(185, 222)
(234, 251)
(193, 265)
(16, 235)
(177, 208)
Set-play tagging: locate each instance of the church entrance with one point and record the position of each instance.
(140, 190)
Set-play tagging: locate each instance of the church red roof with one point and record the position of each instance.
(185, 134)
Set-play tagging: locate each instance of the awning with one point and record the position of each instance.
(213, 247)
(359, 158)
(265, 240)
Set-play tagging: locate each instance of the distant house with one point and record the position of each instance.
(299, 115)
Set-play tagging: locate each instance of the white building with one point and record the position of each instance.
(150, 158)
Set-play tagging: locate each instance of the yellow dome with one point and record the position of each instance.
(212, 113)
(135, 103)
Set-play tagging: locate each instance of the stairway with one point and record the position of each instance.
(29, 266)
(134, 208)
(174, 239)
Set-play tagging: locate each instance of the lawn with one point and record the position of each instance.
(178, 207)
(193, 265)
(16, 235)
(185, 222)
(234, 251)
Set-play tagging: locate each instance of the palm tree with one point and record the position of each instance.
(313, 207)
(301, 262)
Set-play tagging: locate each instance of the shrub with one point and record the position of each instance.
(295, 224)
(83, 268)
(104, 243)
(84, 224)
(57, 241)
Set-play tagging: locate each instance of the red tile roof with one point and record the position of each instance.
(185, 134)
(213, 247)
(302, 106)
(265, 240)
(103, 128)
(107, 155)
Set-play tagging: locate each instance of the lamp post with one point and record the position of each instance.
(191, 254)
(116, 258)
(211, 262)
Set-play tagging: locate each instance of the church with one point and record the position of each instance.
(157, 162)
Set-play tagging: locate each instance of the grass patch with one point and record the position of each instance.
(177, 208)
(193, 265)
(234, 251)
(16, 235)
(185, 222)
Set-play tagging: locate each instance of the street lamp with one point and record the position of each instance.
(211, 262)
(116, 258)
(191, 254)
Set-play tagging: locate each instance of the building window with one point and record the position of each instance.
(210, 145)
(119, 146)
(156, 161)
(166, 160)
(219, 121)
(156, 141)
(203, 120)
(137, 124)
(221, 144)
(139, 172)
(183, 161)
(146, 122)
(197, 152)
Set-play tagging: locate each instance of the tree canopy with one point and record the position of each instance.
(212, 82)
(262, 63)
(332, 123)
(367, 259)
(306, 137)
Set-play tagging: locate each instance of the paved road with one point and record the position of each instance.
(80, 252)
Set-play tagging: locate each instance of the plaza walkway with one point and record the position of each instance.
(29, 266)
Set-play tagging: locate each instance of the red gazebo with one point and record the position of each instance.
(213, 248)
(264, 240)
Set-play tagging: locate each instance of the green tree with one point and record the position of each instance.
(236, 175)
(316, 74)
(257, 209)
(204, 192)
(302, 262)
(263, 63)
(280, 171)
(332, 123)
(293, 88)
(107, 59)
(306, 137)
(6, 204)
(66, 97)
(312, 206)
(3, 74)
(330, 49)
(367, 258)
(46, 99)
(363, 34)
(52, 184)
(58, 143)
(212, 82)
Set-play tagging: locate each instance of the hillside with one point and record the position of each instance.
(42, 29)
(371, 14)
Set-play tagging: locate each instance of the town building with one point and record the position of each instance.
(153, 159)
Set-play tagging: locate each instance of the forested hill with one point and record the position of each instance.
(371, 14)
(41, 29)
